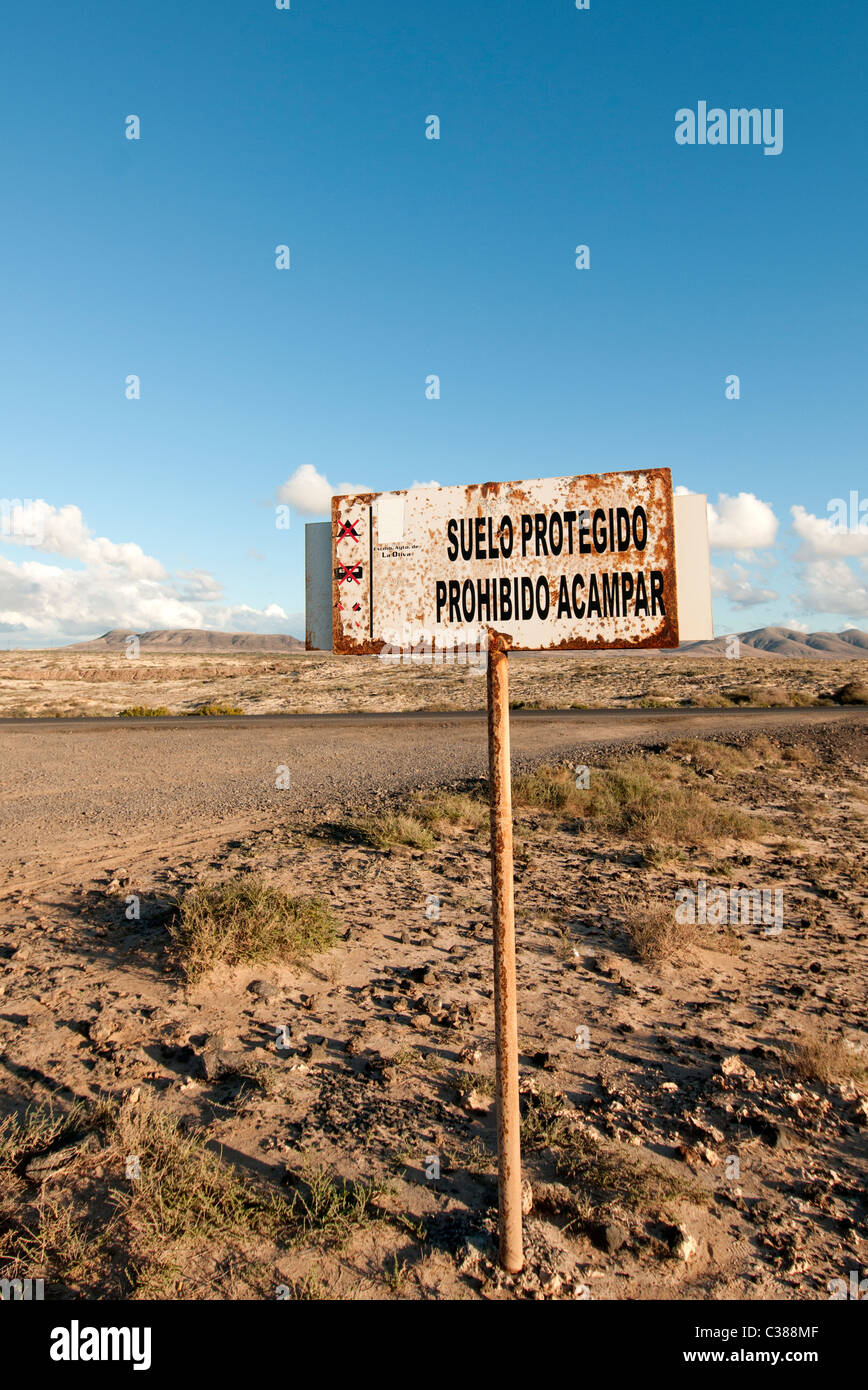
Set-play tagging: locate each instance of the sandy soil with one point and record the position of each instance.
(758, 1186)
(65, 683)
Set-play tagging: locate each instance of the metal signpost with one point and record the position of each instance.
(560, 564)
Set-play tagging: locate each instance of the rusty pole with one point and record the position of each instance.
(503, 923)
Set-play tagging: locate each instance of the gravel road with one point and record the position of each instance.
(83, 793)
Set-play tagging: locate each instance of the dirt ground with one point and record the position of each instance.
(694, 1123)
(69, 684)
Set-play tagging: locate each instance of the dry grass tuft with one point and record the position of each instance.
(657, 800)
(456, 810)
(216, 709)
(706, 756)
(185, 1190)
(799, 755)
(654, 934)
(246, 920)
(630, 800)
(551, 789)
(765, 696)
(383, 831)
(853, 693)
(102, 1232)
(824, 1058)
(427, 817)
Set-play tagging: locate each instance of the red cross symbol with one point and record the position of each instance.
(348, 530)
(345, 573)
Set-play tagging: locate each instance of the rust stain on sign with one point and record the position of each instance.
(553, 564)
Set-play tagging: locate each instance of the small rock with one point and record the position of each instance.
(479, 1247)
(613, 1236)
(211, 1058)
(734, 1066)
(705, 1129)
(858, 1112)
(682, 1244)
(265, 990)
(551, 1287)
(105, 1028)
(424, 975)
(779, 1136)
(542, 1059)
(476, 1102)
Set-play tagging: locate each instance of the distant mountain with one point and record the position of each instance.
(784, 641)
(762, 641)
(192, 639)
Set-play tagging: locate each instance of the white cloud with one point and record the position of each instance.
(200, 586)
(820, 539)
(113, 585)
(310, 493)
(832, 586)
(735, 584)
(46, 599)
(241, 617)
(742, 523)
(61, 531)
(433, 483)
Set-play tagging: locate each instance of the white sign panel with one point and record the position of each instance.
(551, 564)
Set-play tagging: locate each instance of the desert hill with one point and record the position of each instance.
(784, 641)
(193, 639)
(761, 641)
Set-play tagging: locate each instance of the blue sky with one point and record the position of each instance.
(411, 257)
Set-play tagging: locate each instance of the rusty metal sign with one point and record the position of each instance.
(550, 564)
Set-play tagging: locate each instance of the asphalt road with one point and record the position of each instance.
(75, 792)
